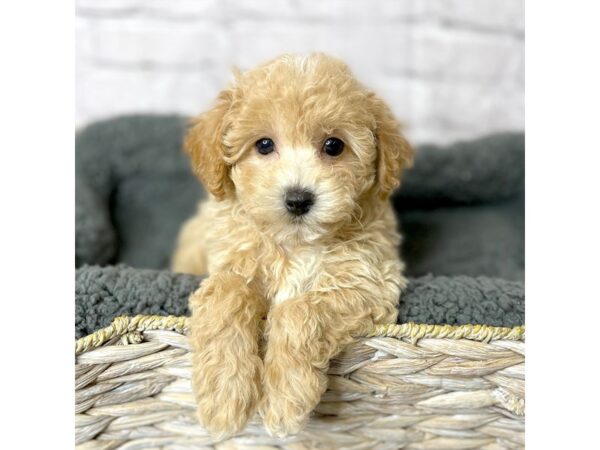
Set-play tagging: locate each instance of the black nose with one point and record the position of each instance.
(298, 201)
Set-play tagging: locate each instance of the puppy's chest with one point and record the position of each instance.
(295, 274)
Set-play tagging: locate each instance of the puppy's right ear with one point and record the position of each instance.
(204, 145)
(394, 153)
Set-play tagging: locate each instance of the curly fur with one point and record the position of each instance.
(319, 279)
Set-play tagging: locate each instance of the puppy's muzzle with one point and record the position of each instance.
(298, 201)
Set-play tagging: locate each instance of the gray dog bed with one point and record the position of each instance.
(461, 210)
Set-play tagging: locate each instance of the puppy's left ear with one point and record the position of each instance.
(204, 144)
(394, 153)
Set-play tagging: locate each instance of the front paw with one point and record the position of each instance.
(227, 393)
(226, 366)
(290, 393)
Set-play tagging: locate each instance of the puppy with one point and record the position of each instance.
(300, 159)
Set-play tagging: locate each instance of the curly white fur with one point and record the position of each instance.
(320, 278)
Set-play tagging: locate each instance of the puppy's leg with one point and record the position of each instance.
(227, 369)
(304, 334)
(190, 253)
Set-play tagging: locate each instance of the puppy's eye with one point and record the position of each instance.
(265, 146)
(333, 146)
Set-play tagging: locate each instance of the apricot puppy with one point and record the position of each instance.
(300, 160)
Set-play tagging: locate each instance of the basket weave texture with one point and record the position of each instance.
(405, 386)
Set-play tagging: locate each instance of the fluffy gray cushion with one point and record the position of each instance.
(103, 293)
(460, 208)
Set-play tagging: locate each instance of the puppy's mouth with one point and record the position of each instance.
(298, 220)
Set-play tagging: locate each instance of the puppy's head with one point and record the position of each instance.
(300, 145)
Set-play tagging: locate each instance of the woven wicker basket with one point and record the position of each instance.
(404, 386)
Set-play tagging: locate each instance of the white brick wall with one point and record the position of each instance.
(450, 69)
